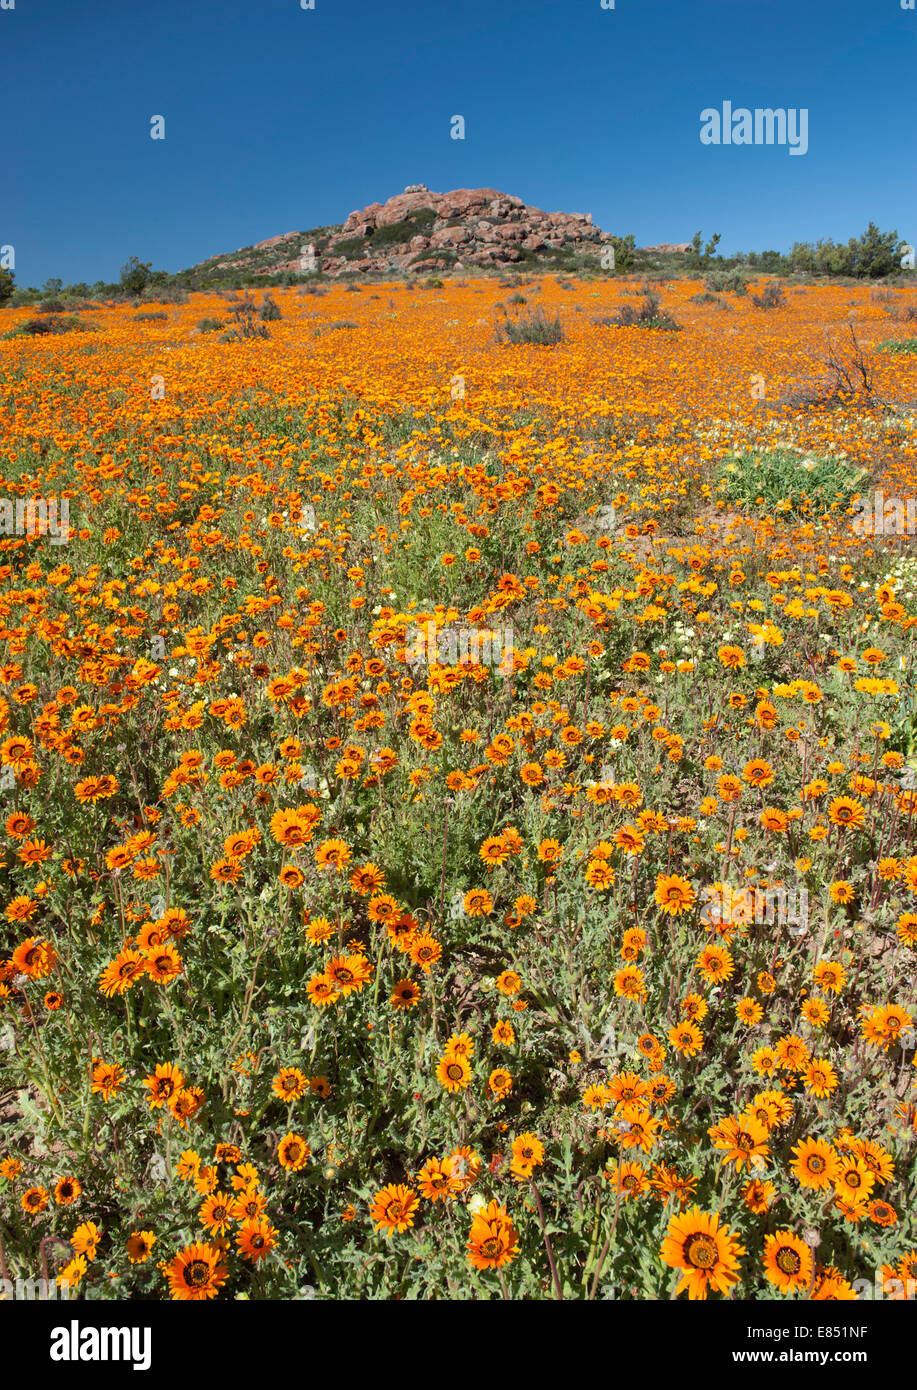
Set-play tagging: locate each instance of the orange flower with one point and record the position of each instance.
(674, 894)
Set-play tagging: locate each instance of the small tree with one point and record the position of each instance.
(7, 285)
(875, 253)
(136, 275)
(624, 248)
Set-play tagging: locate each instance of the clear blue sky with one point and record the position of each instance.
(279, 118)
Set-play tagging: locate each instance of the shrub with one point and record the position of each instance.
(771, 297)
(136, 275)
(531, 328)
(707, 298)
(732, 281)
(907, 346)
(417, 223)
(166, 294)
(53, 323)
(209, 325)
(270, 309)
(244, 328)
(848, 377)
(871, 256)
(624, 248)
(333, 327)
(7, 285)
(647, 314)
(148, 317)
(787, 482)
(351, 248)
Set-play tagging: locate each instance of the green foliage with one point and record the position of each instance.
(7, 285)
(417, 223)
(771, 297)
(50, 324)
(701, 253)
(334, 327)
(351, 248)
(135, 276)
(731, 281)
(906, 346)
(871, 256)
(647, 314)
(244, 328)
(625, 252)
(535, 328)
(789, 483)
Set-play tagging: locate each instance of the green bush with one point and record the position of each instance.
(771, 297)
(166, 294)
(908, 346)
(52, 323)
(334, 327)
(7, 285)
(136, 275)
(783, 480)
(732, 281)
(351, 248)
(870, 256)
(417, 223)
(244, 328)
(531, 328)
(647, 314)
(707, 298)
(270, 309)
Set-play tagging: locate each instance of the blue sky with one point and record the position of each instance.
(279, 119)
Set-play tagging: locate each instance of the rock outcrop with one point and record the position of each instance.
(422, 231)
(667, 246)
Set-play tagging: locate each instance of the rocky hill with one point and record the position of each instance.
(419, 231)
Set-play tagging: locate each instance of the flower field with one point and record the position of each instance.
(459, 827)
